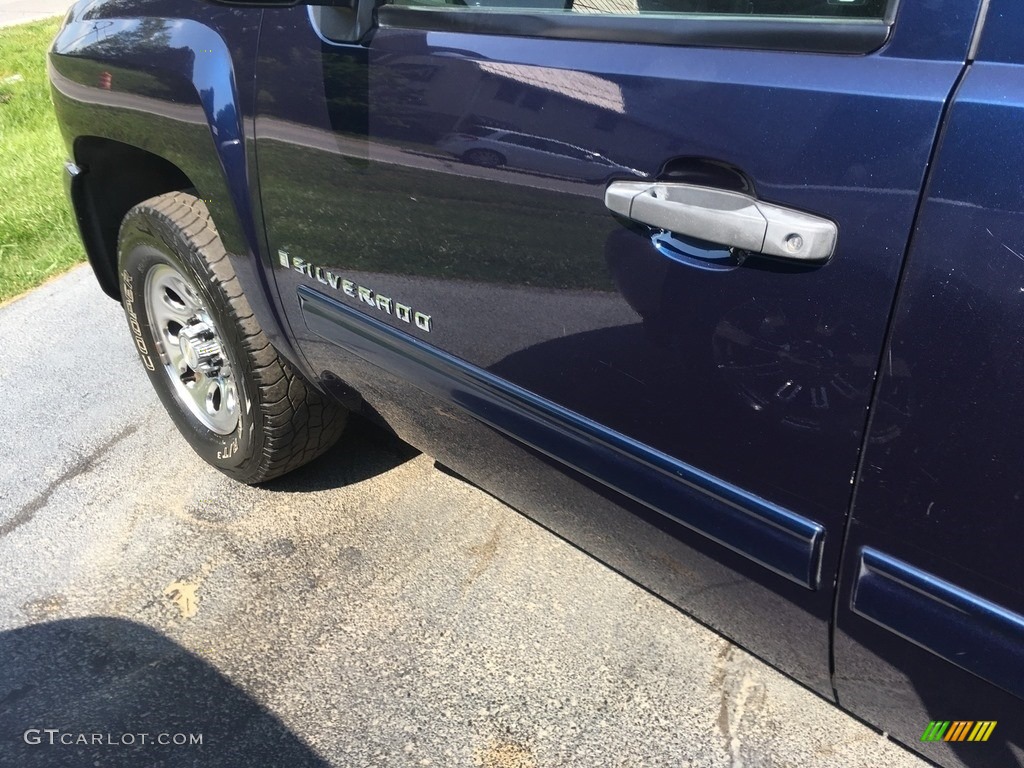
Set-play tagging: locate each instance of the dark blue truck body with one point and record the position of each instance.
(820, 461)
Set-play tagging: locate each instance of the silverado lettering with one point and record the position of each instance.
(365, 295)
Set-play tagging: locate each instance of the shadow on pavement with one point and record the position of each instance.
(365, 450)
(110, 681)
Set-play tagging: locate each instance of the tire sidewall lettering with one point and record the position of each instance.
(128, 295)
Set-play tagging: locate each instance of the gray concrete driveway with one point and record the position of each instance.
(20, 11)
(368, 610)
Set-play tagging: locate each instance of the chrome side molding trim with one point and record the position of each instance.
(958, 626)
(779, 540)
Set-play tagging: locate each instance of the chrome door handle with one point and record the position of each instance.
(724, 217)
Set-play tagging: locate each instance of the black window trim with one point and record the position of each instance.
(772, 33)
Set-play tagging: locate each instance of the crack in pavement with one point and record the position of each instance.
(80, 467)
(735, 677)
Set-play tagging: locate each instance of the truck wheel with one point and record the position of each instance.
(240, 406)
(486, 158)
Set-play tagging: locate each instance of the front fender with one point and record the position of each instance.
(182, 90)
(166, 86)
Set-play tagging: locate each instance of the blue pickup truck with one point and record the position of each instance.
(730, 293)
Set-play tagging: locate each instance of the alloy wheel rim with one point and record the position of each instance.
(191, 349)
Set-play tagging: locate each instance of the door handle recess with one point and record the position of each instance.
(724, 217)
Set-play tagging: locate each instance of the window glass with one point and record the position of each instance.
(863, 9)
(513, 138)
(536, 143)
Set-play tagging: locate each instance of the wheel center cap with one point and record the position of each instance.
(189, 352)
(200, 349)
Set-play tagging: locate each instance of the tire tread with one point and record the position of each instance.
(298, 423)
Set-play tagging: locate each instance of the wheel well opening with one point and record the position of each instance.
(116, 177)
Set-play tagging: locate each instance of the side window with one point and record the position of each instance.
(517, 140)
(552, 147)
(851, 9)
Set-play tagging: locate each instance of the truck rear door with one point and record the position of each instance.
(930, 632)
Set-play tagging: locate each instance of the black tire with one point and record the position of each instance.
(282, 422)
(486, 158)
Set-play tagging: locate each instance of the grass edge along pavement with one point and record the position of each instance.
(37, 232)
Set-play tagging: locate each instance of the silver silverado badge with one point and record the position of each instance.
(367, 296)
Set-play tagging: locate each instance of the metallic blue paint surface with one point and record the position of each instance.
(694, 419)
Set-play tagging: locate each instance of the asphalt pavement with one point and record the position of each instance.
(369, 609)
(21, 11)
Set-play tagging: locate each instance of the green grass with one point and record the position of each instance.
(37, 234)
